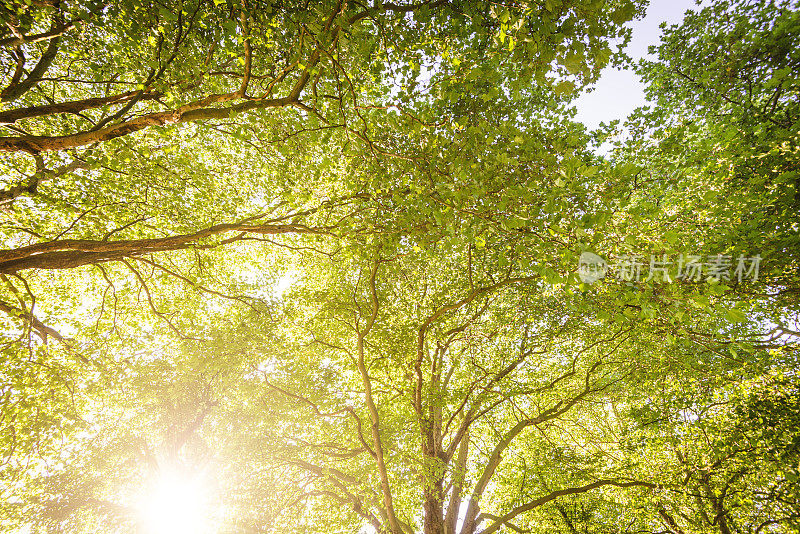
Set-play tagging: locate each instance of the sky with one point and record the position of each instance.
(617, 92)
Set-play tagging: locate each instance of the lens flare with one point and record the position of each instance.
(175, 504)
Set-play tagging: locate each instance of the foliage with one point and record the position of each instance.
(319, 259)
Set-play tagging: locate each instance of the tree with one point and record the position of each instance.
(437, 365)
(718, 172)
(725, 124)
(353, 132)
(96, 173)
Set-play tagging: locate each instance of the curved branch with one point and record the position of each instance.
(16, 90)
(41, 329)
(503, 520)
(56, 31)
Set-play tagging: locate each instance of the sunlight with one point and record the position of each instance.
(176, 504)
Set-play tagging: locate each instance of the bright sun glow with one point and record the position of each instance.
(176, 504)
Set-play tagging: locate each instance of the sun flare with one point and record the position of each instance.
(176, 504)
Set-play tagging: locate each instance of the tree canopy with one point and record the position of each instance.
(319, 267)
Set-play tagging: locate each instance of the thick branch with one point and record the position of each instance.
(16, 90)
(458, 485)
(189, 113)
(40, 176)
(41, 329)
(560, 493)
(70, 253)
(27, 39)
(377, 443)
(558, 409)
(73, 106)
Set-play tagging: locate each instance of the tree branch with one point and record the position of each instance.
(503, 520)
